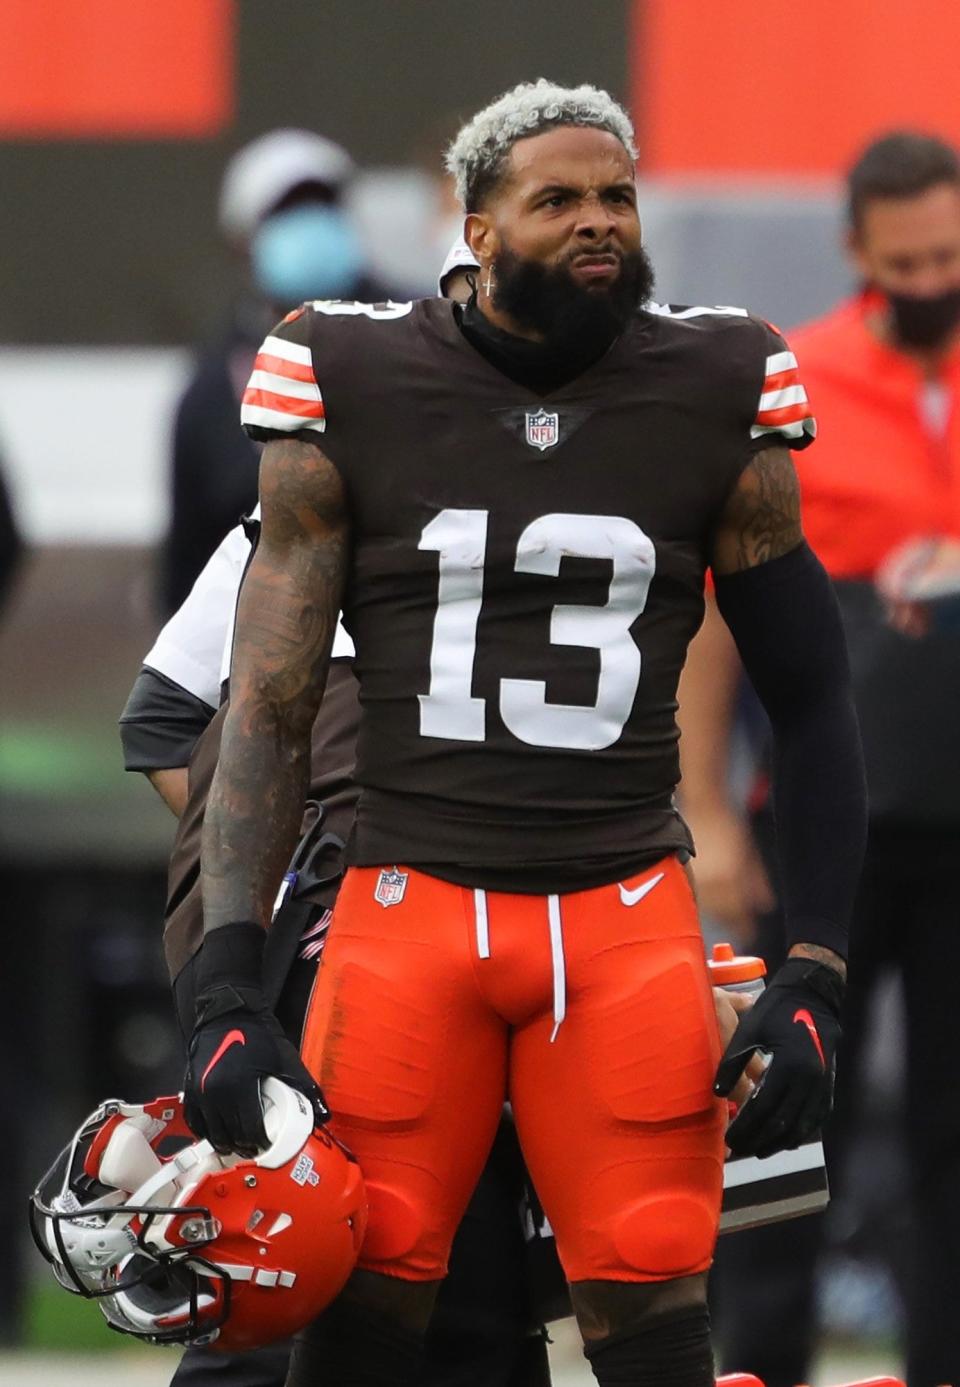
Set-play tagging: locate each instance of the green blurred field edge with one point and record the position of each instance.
(60, 1323)
(39, 759)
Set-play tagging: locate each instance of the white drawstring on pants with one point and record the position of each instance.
(556, 951)
(559, 965)
(483, 926)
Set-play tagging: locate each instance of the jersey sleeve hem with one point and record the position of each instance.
(772, 438)
(261, 434)
(161, 723)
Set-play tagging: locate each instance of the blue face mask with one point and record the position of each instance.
(307, 252)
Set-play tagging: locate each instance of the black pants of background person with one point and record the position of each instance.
(907, 918)
(481, 1331)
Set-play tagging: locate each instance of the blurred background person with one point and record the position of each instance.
(881, 507)
(283, 212)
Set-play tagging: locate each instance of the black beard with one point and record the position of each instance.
(550, 302)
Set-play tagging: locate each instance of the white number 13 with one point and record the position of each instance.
(460, 537)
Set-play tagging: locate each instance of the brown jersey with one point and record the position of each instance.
(527, 571)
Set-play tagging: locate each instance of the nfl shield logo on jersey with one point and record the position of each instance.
(390, 887)
(543, 428)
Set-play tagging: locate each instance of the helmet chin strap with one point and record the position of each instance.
(260, 1276)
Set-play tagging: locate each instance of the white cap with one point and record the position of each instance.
(459, 257)
(262, 173)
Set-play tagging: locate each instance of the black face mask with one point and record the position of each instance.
(924, 323)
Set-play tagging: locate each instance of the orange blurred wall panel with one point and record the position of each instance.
(788, 86)
(115, 69)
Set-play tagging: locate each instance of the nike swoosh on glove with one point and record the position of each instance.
(797, 1022)
(237, 1041)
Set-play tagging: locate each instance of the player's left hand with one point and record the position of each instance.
(796, 1021)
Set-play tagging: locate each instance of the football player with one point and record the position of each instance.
(514, 504)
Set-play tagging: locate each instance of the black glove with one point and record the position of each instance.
(797, 1022)
(237, 1041)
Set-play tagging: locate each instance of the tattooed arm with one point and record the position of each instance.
(286, 620)
(761, 520)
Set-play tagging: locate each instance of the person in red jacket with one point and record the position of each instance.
(881, 508)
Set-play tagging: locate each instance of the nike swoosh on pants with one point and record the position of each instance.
(645, 887)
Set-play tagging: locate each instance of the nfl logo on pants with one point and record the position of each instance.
(390, 887)
(543, 428)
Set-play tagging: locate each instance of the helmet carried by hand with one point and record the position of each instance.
(180, 1245)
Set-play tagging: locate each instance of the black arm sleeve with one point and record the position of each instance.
(160, 725)
(785, 620)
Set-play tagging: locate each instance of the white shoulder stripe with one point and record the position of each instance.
(779, 399)
(781, 361)
(262, 418)
(283, 385)
(287, 351)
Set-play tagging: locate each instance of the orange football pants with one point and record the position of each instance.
(592, 1012)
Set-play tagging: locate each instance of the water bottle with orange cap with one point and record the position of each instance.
(734, 972)
(744, 974)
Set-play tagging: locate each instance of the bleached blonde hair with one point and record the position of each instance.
(476, 156)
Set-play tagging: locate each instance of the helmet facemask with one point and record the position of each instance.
(100, 1238)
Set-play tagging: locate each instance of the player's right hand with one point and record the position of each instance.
(236, 1042)
(230, 1053)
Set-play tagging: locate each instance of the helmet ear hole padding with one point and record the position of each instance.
(160, 1289)
(128, 1160)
